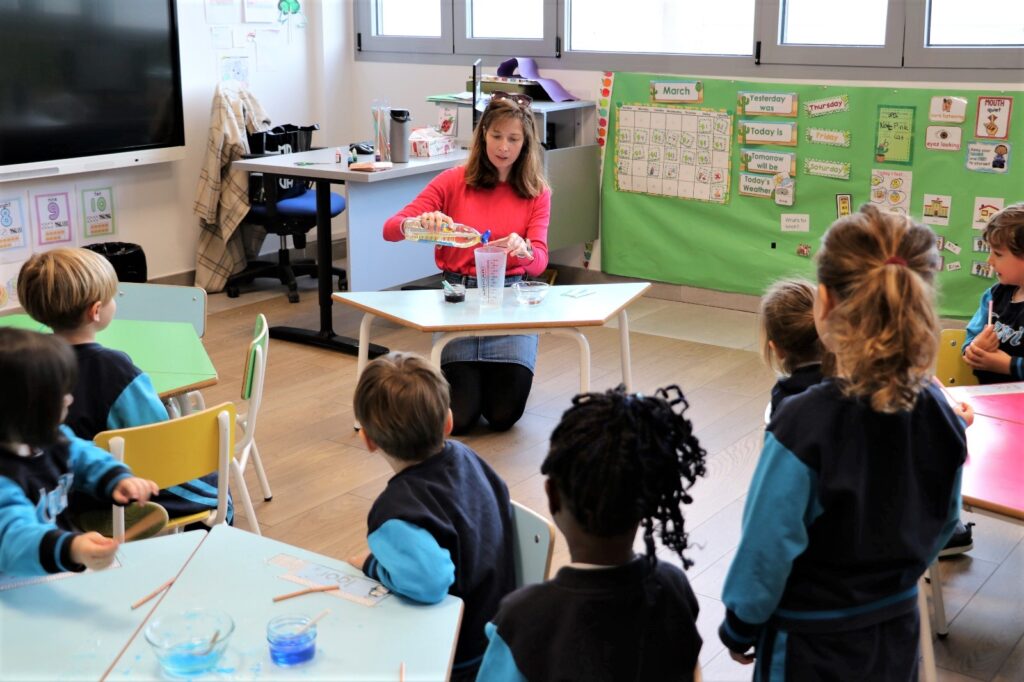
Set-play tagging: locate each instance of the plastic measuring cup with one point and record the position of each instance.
(490, 274)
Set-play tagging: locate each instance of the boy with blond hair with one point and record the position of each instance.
(73, 291)
(443, 525)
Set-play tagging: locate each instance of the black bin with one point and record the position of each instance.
(129, 260)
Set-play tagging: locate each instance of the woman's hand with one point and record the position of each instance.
(515, 245)
(990, 361)
(93, 550)
(133, 489)
(433, 221)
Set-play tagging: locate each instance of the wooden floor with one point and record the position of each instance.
(324, 480)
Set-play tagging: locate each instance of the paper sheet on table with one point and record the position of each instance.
(358, 589)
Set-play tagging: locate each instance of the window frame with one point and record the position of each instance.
(917, 53)
(367, 40)
(547, 46)
(768, 31)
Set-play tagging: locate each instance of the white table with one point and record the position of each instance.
(372, 198)
(559, 313)
(75, 627)
(231, 572)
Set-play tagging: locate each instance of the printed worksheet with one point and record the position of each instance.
(675, 152)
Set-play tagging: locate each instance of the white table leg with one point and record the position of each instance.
(928, 672)
(363, 356)
(627, 367)
(584, 345)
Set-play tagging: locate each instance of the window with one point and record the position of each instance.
(525, 28)
(958, 34)
(404, 26)
(833, 32)
(723, 27)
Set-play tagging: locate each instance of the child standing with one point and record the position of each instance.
(73, 292)
(789, 340)
(443, 525)
(618, 461)
(41, 462)
(858, 484)
(994, 346)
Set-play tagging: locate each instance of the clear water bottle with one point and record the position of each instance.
(454, 234)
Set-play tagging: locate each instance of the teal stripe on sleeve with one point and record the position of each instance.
(498, 664)
(137, 405)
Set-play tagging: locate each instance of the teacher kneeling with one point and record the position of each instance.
(502, 189)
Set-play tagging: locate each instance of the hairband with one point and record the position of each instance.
(895, 260)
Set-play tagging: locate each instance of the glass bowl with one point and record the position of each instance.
(184, 642)
(530, 293)
(292, 640)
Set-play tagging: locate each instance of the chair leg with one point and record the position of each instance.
(242, 493)
(260, 473)
(928, 673)
(938, 605)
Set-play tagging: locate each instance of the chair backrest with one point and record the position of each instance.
(256, 360)
(950, 367)
(177, 450)
(533, 546)
(162, 303)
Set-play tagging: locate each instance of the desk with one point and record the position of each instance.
(171, 353)
(74, 627)
(558, 313)
(372, 198)
(230, 571)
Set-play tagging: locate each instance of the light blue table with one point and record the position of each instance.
(73, 628)
(230, 571)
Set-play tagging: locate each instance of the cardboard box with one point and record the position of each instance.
(429, 142)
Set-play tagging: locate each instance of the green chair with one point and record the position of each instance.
(252, 391)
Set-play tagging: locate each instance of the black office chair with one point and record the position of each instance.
(286, 208)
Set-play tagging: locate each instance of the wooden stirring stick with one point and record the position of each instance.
(312, 622)
(308, 590)
(142, 525)
(152, 594)
(213, 641)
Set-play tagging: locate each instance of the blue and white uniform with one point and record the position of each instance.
(636, 621)
(444, 526)
(846, 510)
(35, 528)
(1008, 320)
(112, 393)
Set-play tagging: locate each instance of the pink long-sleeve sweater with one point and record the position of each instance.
(499, 210)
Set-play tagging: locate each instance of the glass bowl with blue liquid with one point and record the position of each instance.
(191, 642)
(292, 640)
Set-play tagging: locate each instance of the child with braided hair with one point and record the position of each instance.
(618, 461)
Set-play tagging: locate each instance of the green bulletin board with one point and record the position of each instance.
(870, 143)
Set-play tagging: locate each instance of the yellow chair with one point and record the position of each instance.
(179, 450)
(950, 367)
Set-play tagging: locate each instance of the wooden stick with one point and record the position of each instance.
(308, 590)
(153, 594)
(312, 622)
(142, 525)
(401, 672)
(213, 642)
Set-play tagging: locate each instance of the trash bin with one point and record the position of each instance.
(129, 260)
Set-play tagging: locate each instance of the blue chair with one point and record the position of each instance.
(286, 208)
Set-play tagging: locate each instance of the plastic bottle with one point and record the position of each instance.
(459, 236)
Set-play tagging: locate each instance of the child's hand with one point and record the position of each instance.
(987, 339)
(93, 550)
(966, 412)
(359, 559)
(990, 361)
(133, 489)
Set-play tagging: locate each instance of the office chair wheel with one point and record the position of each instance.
(232, 291)
(293, 297)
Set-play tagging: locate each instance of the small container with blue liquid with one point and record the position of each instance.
(292, 640)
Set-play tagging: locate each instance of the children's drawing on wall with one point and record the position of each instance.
(894, 134)
(988, 157)
(984, 209)
(13, 230)
(994, 117)
(890, 190)
(948, 109)
(936, 209)
(9, 291)
(234, 68)
(674, 152)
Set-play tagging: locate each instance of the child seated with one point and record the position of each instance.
(41, 462)
(443, 525)
(789, 341)
(858, 484)
(994, 347)
(73, 291)
(617, 461)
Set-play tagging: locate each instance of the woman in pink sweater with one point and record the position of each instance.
(502, 189)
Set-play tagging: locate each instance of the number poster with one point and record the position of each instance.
(668, 151)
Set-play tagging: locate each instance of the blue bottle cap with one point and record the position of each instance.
(485, 237)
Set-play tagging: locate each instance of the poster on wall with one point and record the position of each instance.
(673, 152)
(763, 132)
(994, 117)
(97, 212)
(936, 209)
(767, 104)
(890, 190)
(943, 138)
(947, 109)
(988, 157)
(984, 209)
(53, 219)
(9, 284)
(14, 229)
(894, 134)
